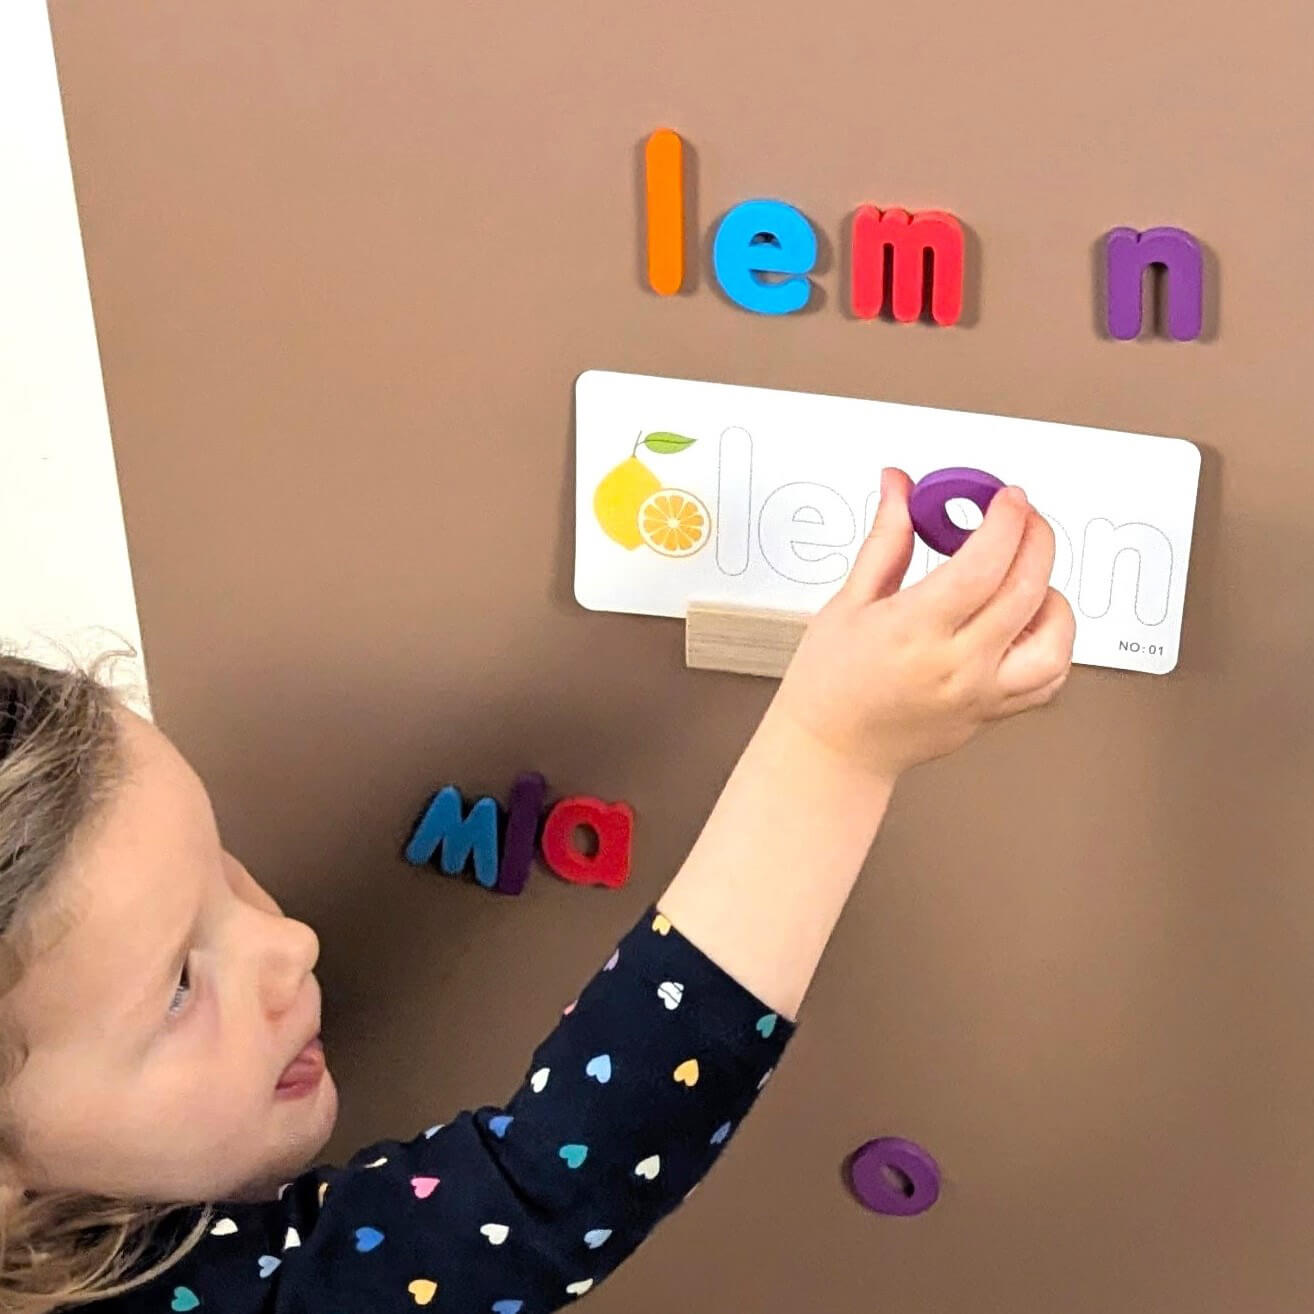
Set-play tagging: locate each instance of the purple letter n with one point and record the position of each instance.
(1128, 253)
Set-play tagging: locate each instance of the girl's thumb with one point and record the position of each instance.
(886, 553)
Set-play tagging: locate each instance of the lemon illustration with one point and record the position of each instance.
(628, 486)
(617, 499)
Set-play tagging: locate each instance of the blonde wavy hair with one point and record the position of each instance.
(60, 760)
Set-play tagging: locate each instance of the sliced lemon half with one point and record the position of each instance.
(674, 523)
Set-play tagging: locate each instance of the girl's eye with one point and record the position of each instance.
(183, 989)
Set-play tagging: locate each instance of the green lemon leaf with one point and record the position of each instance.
(665, 443)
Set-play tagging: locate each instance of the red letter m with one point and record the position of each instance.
(910, 237)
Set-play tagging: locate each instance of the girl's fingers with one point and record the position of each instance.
(1025, 702)
(960, 587)
(1043, 652)
(886, 553)
(1020, 596)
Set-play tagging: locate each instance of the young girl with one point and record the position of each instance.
(160, 1018)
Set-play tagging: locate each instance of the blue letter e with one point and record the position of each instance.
(765, 237)
(443, 826)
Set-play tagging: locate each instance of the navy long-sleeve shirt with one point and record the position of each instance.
(521, 1209)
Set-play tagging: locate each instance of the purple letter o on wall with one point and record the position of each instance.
(893, 1176)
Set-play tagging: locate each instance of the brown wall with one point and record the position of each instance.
(347, 259)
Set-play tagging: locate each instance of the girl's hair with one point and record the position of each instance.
(60, 760)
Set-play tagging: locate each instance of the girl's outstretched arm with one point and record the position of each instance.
(882, 680)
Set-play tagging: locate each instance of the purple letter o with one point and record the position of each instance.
(874, 1189)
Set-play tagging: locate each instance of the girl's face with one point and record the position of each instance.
(169, 1011)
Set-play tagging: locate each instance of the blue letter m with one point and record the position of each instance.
(443, 826)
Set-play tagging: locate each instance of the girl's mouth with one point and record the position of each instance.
(304, 1073)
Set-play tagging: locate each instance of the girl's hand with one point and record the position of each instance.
(884, 679)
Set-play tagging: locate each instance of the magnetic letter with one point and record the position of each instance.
(664, 172)
(910, 236)
(871, 1183)
(930, 496)
(443, 827)
(1127, 253)
(521, 831)
(788, 245)
(612, 823)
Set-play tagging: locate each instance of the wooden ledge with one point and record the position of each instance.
(743, 640)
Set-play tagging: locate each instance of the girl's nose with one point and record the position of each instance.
(290, 956)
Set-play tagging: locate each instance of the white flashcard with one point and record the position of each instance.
(711, 492)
